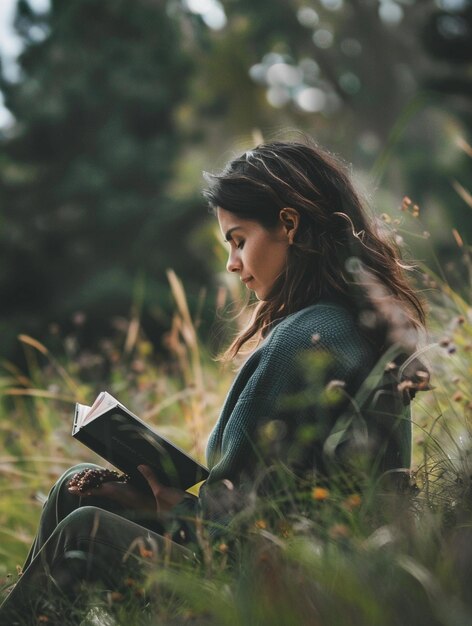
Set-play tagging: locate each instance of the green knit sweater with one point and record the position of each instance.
(285, 379)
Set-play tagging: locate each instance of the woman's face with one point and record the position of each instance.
(257, 254)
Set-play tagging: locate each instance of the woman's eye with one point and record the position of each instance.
(240, 245)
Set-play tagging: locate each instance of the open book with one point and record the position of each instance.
(112, 431)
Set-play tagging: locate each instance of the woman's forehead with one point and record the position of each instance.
(230, 222)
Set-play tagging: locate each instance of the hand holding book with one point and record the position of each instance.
(112, 431)
(109, 484)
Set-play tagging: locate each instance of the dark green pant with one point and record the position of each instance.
(85, 540)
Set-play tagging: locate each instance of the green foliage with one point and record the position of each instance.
(119, 105)
(347, 551)
(84, 202)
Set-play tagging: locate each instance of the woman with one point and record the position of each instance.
(300, 239)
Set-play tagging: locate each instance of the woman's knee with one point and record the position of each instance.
(82, 521)
(60, 487)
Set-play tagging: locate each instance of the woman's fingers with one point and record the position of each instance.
(123, 493)
(166, 497)
(149, 475)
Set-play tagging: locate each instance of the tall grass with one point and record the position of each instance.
(180, 392)
(354, 555)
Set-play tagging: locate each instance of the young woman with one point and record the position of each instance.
(326, 282)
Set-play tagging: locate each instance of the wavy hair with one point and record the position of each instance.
(334, 228)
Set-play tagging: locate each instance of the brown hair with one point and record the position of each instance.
(334, 229)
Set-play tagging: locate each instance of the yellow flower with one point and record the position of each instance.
(320, 494)
(260, 523)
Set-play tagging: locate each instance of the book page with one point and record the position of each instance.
(81, 412)
(102, 404)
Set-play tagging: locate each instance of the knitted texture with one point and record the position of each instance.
(275, 371)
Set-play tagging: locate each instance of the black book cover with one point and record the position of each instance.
(126, 442)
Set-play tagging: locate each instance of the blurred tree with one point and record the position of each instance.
(359, 63)
(384, 82)
(120, 104)
(84, 172)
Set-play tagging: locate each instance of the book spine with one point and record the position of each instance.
(76, 419)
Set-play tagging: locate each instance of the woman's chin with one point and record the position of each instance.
(260, 295)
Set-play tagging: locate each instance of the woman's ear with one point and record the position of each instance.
(290, 219)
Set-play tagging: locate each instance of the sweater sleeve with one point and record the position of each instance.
(268, 374)
(273, 389)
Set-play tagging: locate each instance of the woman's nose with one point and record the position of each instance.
(234, 262)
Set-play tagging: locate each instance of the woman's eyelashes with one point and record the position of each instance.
(240, 245)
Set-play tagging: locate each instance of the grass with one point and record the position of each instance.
(359, 556)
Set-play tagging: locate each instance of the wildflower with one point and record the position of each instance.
(339, 531)
(460, 320)
(458, 397)
(351, 502)
(406, 203)
(386, 218)
(223, 548)
(115, 596)
(451, 349)
(320, 494)
(144, 553)
(284, 529)
(261, 524)
(444, 342)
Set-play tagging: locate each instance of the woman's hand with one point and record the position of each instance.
(166, 497)
(163, 498)
(124, 494)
